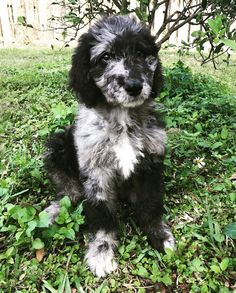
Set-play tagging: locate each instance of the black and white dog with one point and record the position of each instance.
(115, 149)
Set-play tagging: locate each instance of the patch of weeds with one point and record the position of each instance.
(26, 229)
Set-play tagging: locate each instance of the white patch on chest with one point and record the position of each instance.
(126, 155)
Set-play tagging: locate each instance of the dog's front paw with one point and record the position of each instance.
(169, 241)
(100, 254)
(101, 263)
(160, 237)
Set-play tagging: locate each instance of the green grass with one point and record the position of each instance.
(223, 74)
(200, 203)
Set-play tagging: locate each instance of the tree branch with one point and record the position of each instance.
(175, 27)
(117, 3)
(151, 15)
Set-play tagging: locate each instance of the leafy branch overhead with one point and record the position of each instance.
(214, 20)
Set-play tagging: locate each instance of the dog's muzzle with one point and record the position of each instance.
(133, 87)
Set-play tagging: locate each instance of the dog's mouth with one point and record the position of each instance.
(125, 99)
(129, 92)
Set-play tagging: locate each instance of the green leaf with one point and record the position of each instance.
(215, 24)
(44, 220)
(68, 233)
(62, 285)
(216, 145)
(49, 287)
(9, 251)
(224, 132)
(232, 196)
(10, 228)
(166, 280)
(216, 40)
(37, 243)
(65, 202)
(36, 173)
(204, 288)
(215, 269)
(78, 285)
(224, 264)
(218, 236)
(121, 249)
(3, 191)
(67, 285)
(23, 214)
(204, 144)
(230, 43)
(131, 246)
(155, 269)
(63, 216)
(197, 265)
(141, 14)
(50, 232)
(43, 132)
(18, 235)
(219, 187)
(21, 20)
(60, 110)
(198, 126)
(197, 34)
(79, 209)
(31, 226)
(142, 272)
(138, 259)
(230, 230)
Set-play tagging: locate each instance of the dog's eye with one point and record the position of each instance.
(106, 57)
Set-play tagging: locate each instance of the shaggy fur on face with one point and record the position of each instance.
(115, 149)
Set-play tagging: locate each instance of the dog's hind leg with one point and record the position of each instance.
(62, 167)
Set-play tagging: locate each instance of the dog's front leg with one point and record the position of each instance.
(102, 237)
(100, 215)
(149, 207)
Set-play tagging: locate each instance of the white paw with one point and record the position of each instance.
(101, 263)
(169, 242)
(100, 254)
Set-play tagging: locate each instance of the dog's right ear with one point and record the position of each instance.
(80, 80)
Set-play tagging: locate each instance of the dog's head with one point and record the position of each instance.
(116, 62)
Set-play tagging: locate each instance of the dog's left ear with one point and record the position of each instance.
(80, 80)
(157, 80)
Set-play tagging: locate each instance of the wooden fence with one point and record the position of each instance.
(40, 30)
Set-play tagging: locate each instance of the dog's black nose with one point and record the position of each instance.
(133, 87)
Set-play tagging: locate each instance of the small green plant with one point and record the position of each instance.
(36, 230)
